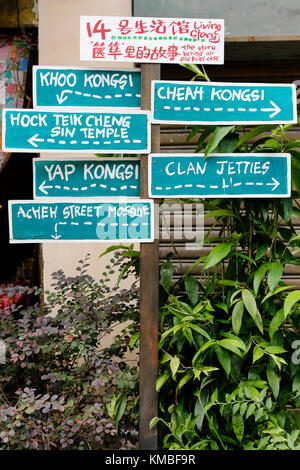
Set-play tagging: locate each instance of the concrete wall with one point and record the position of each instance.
(243, 18)
(59, 45)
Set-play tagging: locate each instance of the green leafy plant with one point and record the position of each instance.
(227, 378)
(62, 386)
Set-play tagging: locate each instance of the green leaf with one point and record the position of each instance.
(192, 288)
(250, 305)
(295, 169)
(238, 341)
(200, 330)
(207, 131)
(162, 379)
(250, 410)
(185, 379)
(154, 422)
(121, 407)
(218, 134)
(237, 316)
(134, 339)
(275, 292)
(257, 354)
(166, 357)
(230, 345)
(274, 276)
(228, 282)
(259, 275)
(219, 213)
(166, 274)
(228, 144)
(296, 383)
(253, 133)
(224, 359)
(203, 348)
(195, 130)
(259, 413)
(216, 255)
(238, 427)
(114, 248)
(272, 144)
(290, 301)
(261, 250)
(287, 204)
(174, 364)
(274, 381)
(275, 350)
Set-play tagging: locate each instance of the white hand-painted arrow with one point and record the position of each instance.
(56, 237)
(35, 139)
(43, 187)
(62, 98)
(275, 109)
(275, 184)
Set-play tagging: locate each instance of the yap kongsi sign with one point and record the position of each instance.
(94, 177)
(159, 40)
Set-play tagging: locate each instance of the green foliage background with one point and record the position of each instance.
(229, 351)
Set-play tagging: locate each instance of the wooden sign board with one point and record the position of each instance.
(157, 40)
(73, 87)
(89, 220)
(238, 175)
(94, 177)
(223, 103)
(76, 132)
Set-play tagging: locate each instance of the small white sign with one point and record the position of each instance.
(157, 40)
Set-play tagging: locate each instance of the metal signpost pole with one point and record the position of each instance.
(149, 276)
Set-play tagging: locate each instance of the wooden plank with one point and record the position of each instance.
(149, 298)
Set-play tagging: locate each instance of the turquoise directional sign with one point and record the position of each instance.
(87, 220)
(97, 177)
(71, 87)
(76, 132)
(223, 103)
(239, 175)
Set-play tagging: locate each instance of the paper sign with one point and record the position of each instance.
(255, 175)
(158, 40)
(223, 103)
(71, 87)
(87, 220)
(97, 177)
(76, 132)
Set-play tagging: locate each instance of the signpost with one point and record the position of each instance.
(76, 132)
(72, 87)
(220, 175)
(76, 200)
(97, 177)
(223, 103)
(89, 220)
(157, 40)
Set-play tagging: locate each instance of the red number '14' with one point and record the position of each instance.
(98, 28)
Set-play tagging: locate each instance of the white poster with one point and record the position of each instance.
(157, 40)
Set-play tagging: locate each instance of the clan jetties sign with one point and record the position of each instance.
(223, 103)
(77, 132)
(159, 40)
(94, 177)
(236, 175)
(85, 221)
(71, 87)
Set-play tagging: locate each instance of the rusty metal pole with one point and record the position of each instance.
(149, 279)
